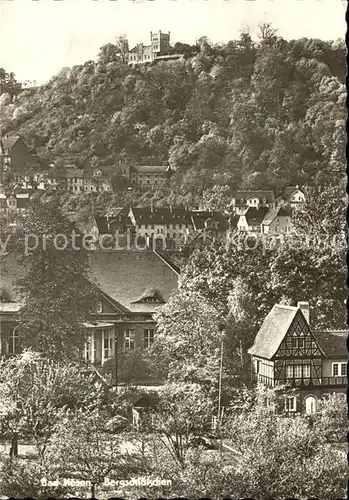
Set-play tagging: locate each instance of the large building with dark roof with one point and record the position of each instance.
(131, 286)
(287, 352)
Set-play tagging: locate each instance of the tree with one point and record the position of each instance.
(183, 412)
(57, 296)
(81, 448)
(34, 393)
(186, 347)
(270, 442)
(122, 48)
(8, 83)
(332, 418)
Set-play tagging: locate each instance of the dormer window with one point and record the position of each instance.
(150, 299)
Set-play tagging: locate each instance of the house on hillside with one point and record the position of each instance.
(158, 50)
(177, 226)
(277, 221)
(251, 220)
(293, 195)
(287, 351)
(115, 228)
(14, 153)
(161, 222)
(264, 220)
(255, 199)
(131, 286)
(150, 177)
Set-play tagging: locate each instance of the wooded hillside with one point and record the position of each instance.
(246, 114)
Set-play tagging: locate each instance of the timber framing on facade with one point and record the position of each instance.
(287, 352)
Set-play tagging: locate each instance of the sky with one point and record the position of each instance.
(39, 37)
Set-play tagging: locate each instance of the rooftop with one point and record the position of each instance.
(151, 168)
(333, 342)
(266, 194)
(273, 330)
(255, 216)
(9, 141)
(125, 276)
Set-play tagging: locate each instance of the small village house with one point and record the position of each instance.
(245, 199)
(14, 152)
(150, 177)
(287, 351)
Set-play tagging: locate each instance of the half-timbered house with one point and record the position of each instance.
(287, 352)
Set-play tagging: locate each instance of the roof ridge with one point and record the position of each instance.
(286, 306)
(167, 261)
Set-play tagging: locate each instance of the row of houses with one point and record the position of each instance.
(77, 180)
(15, 202)
(185, 226)
(291, 195)
(132, 286)
(17, 165)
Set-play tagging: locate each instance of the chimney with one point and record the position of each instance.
(151, 206)
(304, 307)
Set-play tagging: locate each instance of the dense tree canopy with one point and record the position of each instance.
(249, 114)
(57, 296)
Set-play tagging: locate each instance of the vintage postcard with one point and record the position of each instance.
(173, 317)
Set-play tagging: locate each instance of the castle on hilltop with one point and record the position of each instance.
(158, 50)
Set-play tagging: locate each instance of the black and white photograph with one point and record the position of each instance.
(173, 275)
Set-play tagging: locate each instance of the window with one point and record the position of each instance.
(150, 299)
(289, 371)
(129, 339)
(306, 371)
(339, 369)
(148, 338)
(90, 349)
(298, 343)
(13, 347)
(298, 371)
(108, 344)
(290, 403)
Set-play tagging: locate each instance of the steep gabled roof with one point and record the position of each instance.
(333, 343)
(271, 215)
(10, 141)
(291, 189)
(200, 218)
(273, 330)
(254, 216)
(126, 275)
(161, 216)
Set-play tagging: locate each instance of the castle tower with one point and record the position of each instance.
(160, 42)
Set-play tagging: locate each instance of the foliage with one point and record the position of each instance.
(8, 84)
(34, 393)
(56, 293)
(22, 478)
(81, 448)
(269, 443)
(250, 114)
(183, 412)
(134, 367)
(332, 418)
(186, 347)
